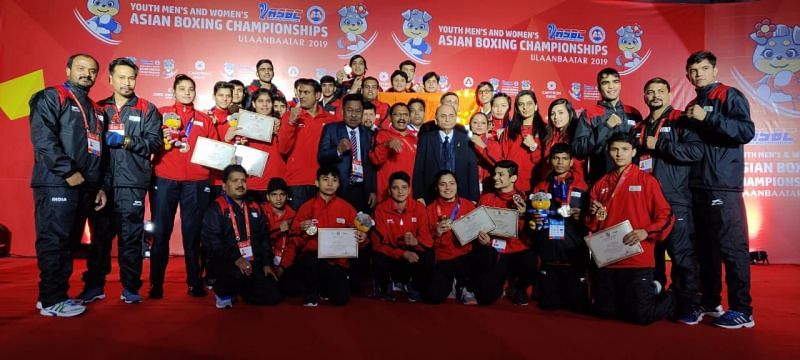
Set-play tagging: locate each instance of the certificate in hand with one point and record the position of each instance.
(213, 154)
(607, 247)
(467, 228)
(337, 243)
(252, 159)
(255, 126)
(506, 221)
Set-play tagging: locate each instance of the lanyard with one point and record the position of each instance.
(453, 213)
(620, 181)
(565, 190)
(233, 219)
(83, 113)
(643, 132)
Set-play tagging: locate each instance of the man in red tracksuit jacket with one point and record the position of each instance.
(395, 149)
(298, 138)
(499, 256)
(625, 288)
(401, 241)
(598, 122)
(179, 181)
(220, 115)
(265, 72)
(329, 277)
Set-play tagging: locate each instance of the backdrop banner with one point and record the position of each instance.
(554, 48)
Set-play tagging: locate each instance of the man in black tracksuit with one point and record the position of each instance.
(598, 122)
(66, 133)
(721, 116)
(242, 255)
(667, 149)
(133, 135)
(563, 253)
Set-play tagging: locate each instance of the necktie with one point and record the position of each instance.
(446, 153)
(356, 174)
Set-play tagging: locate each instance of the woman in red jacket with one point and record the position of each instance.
(453, 260)
(262, 104)
(562, 121)
(483, 97)
(178, 180)
(485, 147)
(501, 107)
(521, 141)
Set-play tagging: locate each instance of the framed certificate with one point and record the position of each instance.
(252, 160)
(467, 228)
(607, 247)
(212, 153)
(505, 220)
(255, 126)
(337, 243)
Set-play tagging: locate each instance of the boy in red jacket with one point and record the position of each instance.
(500, 257)
(280, 218)
(325, 210)
(402, 241)
(625, 288)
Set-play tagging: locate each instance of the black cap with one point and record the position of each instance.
(277, 183)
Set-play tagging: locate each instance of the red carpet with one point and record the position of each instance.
(183, 327)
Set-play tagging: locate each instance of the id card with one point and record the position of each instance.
(117, 128)
(358, 168)
(646, 163)
(499, 245)
(246, 250)
(95, 146)
(276, 261)
(556, 229)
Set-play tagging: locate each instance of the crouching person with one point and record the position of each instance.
(237, 236)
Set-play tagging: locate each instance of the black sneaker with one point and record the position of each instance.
(520, 298)
(197, 291)
(156, 292)
(311, 301)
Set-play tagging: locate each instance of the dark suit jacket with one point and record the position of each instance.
(331, 135)
(428, 164)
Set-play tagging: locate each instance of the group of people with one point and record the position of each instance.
(338, 153)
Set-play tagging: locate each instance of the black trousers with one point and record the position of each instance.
(358, 196)
(562, 287)
(722, 238)
(494, 268)
(685, 273)
(60, 215)
(256, 289)
(299, 194)
(401, 270)
(325, 279)
(460, 269)
(124, 219)
(629, 294)
(193, 197)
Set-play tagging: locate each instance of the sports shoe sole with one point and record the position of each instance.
(748, 325)
(98, 297)
(125, 300)
(311, 304)
(45, 312)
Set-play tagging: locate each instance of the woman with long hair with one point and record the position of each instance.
(521, 142)
(562, 121)
(486, 148)
(501, 107)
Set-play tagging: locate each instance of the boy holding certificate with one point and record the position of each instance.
(625, 288)
(402, 241)
(325, 210)
(561, 249)
(501, 255)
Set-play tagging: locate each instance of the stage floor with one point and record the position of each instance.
(179, 326)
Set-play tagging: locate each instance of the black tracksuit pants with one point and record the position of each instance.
(494, 268)
(325, 279)
(123, 217)
(256, 289)
(193, 197)
(629, 294)
(401, 270)
(685, 273)
(60, 216)
(722, 238)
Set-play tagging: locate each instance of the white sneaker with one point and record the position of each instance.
(66, 308)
